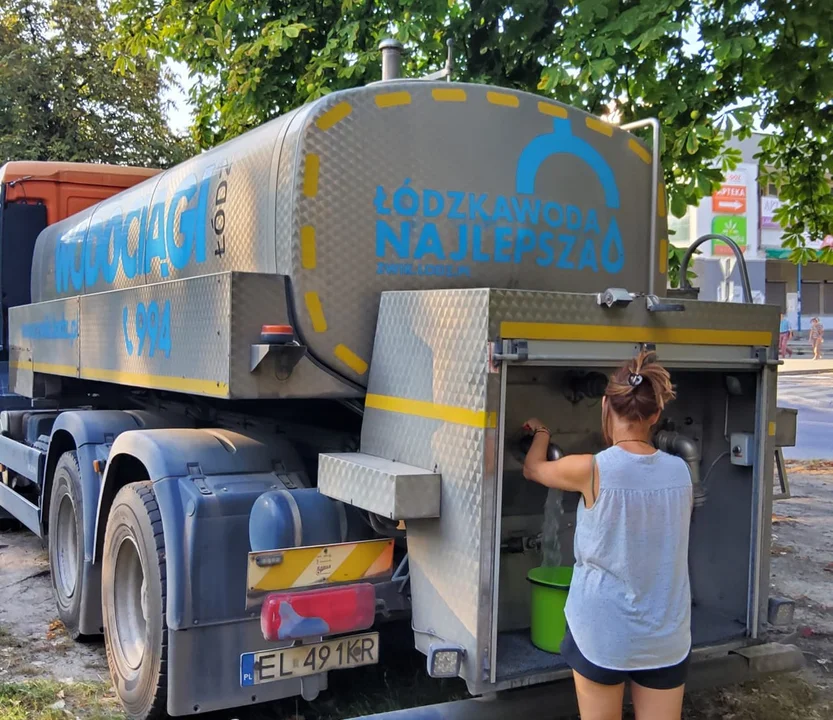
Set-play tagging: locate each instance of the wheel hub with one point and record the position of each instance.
(66, 568)
(131, 602)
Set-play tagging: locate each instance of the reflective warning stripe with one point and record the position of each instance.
(319, 565)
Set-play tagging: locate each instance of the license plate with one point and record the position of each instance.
(292, 662)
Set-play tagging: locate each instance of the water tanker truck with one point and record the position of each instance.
(273, 395)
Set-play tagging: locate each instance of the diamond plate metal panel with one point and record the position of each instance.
(43, 338)
(170, 336)
(387, 134)
(390, 489)
(257, 300)
(431, 347)
(444, 554)
(574, 309)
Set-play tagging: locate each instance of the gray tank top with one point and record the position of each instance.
(629, 605)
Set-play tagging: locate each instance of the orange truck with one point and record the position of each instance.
(34, 195)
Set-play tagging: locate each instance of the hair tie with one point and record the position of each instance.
(634, 379)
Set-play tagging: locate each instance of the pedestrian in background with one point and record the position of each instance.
(816, 337)
(784, 337)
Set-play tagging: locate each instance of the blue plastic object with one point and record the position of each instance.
(299, 518)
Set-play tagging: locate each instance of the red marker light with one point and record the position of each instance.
(312, 613)
(277, 334)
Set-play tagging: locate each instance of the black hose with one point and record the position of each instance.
(733, 246)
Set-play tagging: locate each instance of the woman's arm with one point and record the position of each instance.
(573, 473)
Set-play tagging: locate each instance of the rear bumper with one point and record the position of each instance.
(737, 666)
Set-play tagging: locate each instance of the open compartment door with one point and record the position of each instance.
(725, 383)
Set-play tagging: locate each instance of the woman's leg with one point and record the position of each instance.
(598, 702)
(650, 704)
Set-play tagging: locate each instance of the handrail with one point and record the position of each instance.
(744, 273)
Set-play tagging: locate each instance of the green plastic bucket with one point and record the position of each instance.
(549, 595)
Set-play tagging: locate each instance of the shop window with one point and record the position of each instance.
(827, 299)
(810, 298)
(776, 294)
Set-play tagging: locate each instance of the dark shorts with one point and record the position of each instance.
(666, 678)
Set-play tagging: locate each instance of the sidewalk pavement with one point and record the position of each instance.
(805, 365)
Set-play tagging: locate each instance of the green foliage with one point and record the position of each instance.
(50, 700)
(61, 100)
(706, 68)
(675, 262)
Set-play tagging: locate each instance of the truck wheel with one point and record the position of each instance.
(66, 541)
(133, 596)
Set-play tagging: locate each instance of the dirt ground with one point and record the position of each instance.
(45, 676)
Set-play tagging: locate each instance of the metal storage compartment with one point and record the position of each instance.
(454, 408)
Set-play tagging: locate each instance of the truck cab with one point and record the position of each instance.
(33, 195)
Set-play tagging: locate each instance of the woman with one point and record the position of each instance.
(784, 337)
(629, 606)
(816, 337)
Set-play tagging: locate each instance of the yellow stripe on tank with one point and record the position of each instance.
(503, 99)
(432, 411)
(308, 256)
(663, 256)
(350, 359)
(316, 312)
(311, 167)
(552, 110)
(448, 95)
(334, 115)
(394, 99)
(633, 333)
(643, 154)
(599, 126)
(161, 382)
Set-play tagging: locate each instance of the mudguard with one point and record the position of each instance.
(91, 434)
(206, 482)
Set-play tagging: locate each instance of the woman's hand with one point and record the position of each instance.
(534, 424)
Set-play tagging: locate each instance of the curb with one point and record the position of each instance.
(820, 371)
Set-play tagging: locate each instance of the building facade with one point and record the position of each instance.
(743, 209)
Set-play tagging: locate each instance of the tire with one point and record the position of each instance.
(133, 596)
(65, 542)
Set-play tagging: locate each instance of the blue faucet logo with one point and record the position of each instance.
(561, 141)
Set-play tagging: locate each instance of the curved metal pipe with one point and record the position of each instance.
(744, 273)
(685, 448)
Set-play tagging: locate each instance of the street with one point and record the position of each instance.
(812, 396)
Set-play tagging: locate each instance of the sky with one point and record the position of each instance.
(180, 112)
